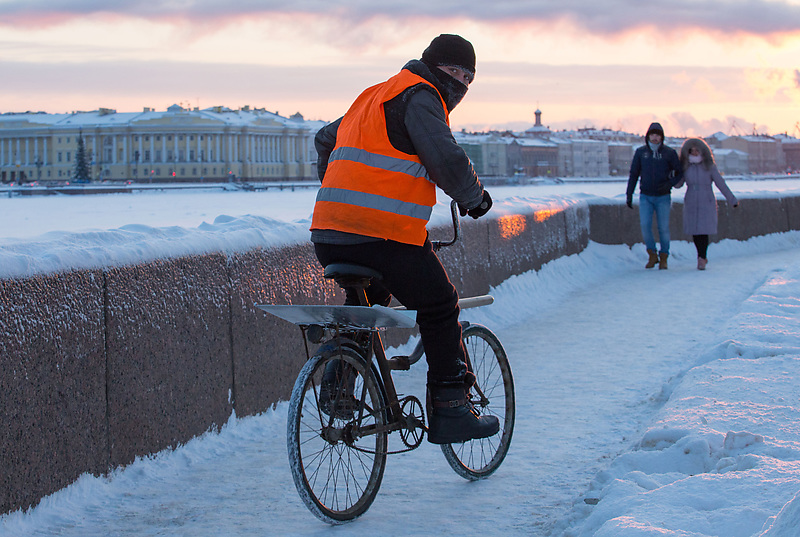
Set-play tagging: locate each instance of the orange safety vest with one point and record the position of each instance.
(370, 188)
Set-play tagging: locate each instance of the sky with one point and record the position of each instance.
(699, 67)
(678, 420)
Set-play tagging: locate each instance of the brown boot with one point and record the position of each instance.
(653, 259)
(662, 261)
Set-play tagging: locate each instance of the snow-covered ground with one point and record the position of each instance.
(648, 402)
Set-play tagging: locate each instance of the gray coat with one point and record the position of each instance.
(700, 203)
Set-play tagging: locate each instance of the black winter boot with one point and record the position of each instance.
(453, 419)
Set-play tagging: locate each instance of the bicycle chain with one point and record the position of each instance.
(412, 401)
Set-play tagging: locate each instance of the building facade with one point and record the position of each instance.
(488, 152)
(731, 161)
(620, 156)
(764, 153)
(213, 145)
(219, 145)
(533, 157)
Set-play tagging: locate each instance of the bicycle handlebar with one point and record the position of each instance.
(438, 245)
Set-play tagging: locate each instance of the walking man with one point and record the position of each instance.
(659, 169)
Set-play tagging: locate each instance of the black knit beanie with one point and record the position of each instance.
(655, 128)
(449, 49)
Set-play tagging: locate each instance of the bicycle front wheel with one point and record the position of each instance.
(336, 440)
(492, 394)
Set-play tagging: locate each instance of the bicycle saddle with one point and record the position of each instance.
(340, 270)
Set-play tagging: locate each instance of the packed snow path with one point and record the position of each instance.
(592, 339)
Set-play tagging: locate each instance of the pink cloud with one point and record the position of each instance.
(765, 18)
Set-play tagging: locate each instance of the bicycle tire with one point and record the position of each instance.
(337, 474)
(486, 358)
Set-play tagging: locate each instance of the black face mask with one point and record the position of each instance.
(453, 90)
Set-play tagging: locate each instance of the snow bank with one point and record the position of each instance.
(729, 424)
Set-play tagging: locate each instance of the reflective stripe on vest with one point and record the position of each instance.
(379, 161)
(370, 188)
(375, 201)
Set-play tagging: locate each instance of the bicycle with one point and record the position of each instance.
(344, 403)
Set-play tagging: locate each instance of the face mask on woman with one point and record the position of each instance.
(695, 159)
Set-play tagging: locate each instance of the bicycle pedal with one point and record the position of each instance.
(399, 363)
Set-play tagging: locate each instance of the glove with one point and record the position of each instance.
(462, 210)
(482, 208)
(629, 203)
(735, 204)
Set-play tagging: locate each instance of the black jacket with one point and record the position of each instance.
(659, 171)
(416, 125)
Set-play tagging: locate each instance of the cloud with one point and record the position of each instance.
(765, 18)
(497, 98)
(130, 85)
(775, 85)
(699, 85)
(684, 124)
(678, 124)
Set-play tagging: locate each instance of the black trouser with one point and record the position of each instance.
(701, 243)
(416, 277)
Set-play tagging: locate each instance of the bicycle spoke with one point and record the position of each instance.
(337, 450)
(494, 388)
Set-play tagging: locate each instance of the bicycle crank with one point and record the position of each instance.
(413, 420)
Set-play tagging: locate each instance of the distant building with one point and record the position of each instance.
(582, 157)
(620, 156)
(538, 130)
(791, 152)
(488, 152)
(731, 161)
(533, 157)
(764, 153)
(215, 144)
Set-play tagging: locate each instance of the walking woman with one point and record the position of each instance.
(699, 202)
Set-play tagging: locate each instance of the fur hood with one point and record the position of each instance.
(705, 152)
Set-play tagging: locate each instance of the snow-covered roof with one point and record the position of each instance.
(726, 152)
(479, 137)
(534, 142)
(758, 138)
(786, 139)
(107, 117)
(538, 129)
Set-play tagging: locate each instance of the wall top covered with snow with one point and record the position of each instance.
(61, 251)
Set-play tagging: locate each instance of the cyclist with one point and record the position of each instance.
(379, 166)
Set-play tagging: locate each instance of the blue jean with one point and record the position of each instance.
(660, 206)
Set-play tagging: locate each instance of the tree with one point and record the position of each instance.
(81, 173)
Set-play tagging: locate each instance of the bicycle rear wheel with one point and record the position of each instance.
(493, 394)
(337, 446)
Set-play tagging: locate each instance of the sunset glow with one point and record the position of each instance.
(511, 225)
(581, 64)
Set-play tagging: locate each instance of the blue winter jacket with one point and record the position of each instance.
(659, 172)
